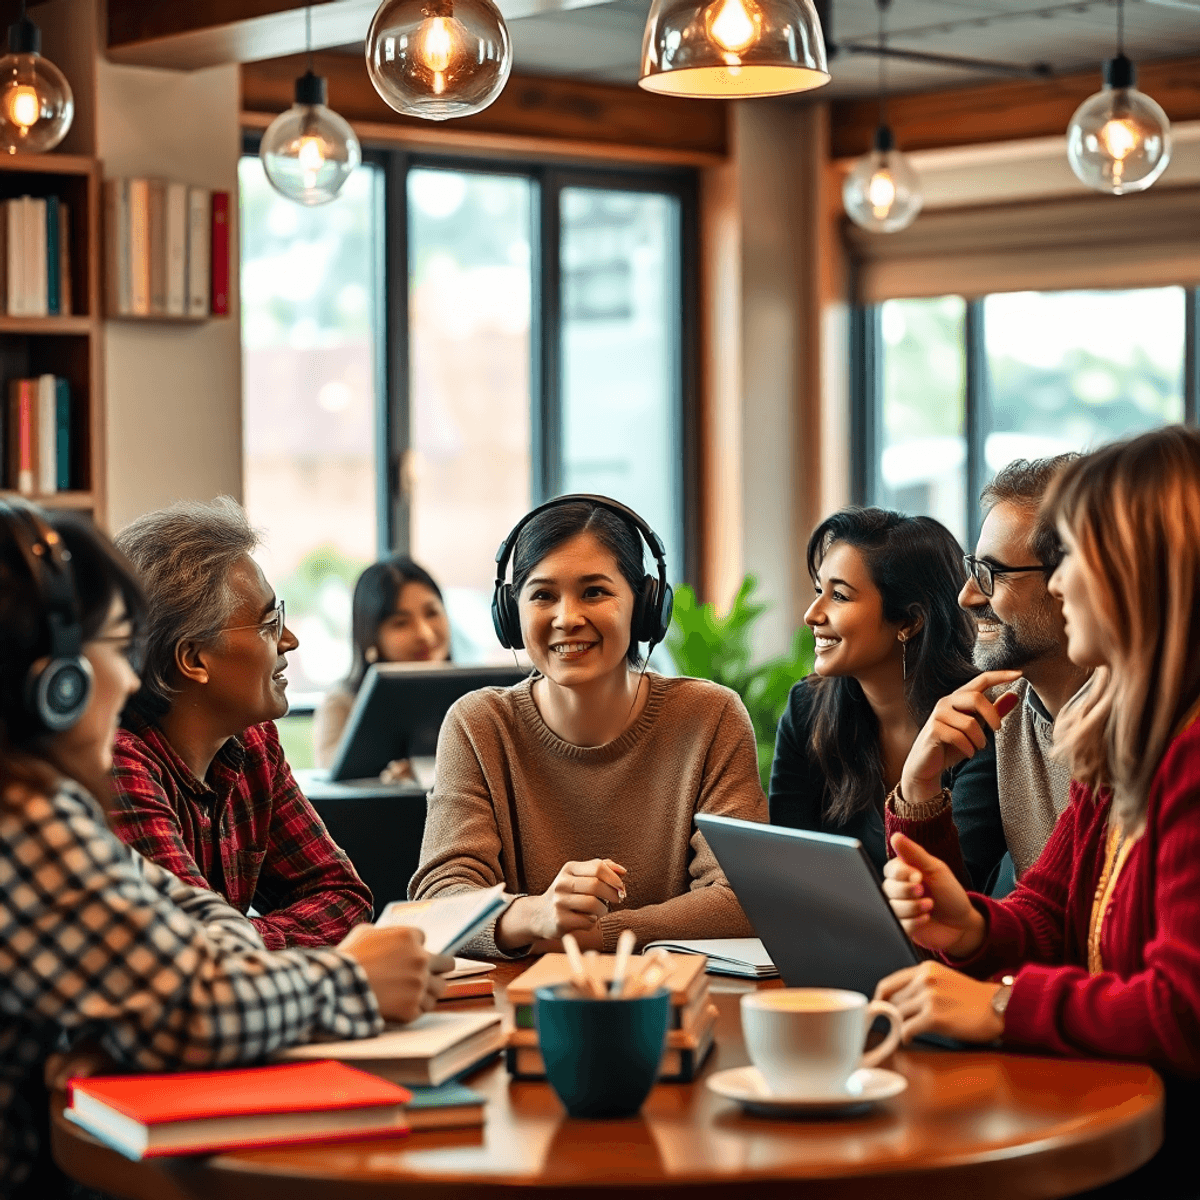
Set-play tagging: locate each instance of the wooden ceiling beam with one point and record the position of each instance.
(1002, 112)
(620, 121)
(189, 35)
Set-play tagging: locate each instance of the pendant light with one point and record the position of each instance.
(36, 104)
(882, 192)
(733, 48)
(438, 59)
(1119, 140)
(309, 151)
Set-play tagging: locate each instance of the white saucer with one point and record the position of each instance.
(749, 1089)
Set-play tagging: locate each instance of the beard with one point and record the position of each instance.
(1017, 643)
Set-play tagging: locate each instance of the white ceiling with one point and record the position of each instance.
(603, 41)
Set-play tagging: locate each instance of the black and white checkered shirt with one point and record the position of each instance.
(97, 942)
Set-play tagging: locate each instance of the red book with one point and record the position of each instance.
(23, 436)
(220, 254)
(198, 1112)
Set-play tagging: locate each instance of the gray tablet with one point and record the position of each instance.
(815, 901)
(399, 709)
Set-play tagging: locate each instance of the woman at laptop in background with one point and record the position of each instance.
(577, 788)
(1102, 934)
(891, 640)
(398, 616)
(98, 942)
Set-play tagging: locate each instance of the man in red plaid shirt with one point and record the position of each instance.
(200, 780)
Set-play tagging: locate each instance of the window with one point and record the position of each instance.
(528, 337)
(964, 387)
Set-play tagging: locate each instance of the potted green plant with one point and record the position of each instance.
(707, 646)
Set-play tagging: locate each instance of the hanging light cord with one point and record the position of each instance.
(1120, 27)
(307, 34)
(882, 6)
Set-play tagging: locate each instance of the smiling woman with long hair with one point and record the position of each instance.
(577, 788)
(1102, 935)
(891, 640)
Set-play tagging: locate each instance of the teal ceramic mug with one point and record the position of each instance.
(601, 1056)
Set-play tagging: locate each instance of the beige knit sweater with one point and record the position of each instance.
(632, 800)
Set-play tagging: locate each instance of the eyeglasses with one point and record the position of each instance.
(272, 624)
(984, 573)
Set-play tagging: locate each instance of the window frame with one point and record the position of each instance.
(866, 396)
(392, 375)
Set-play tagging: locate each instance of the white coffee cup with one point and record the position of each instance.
(809, 1041)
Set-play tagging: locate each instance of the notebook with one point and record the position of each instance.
(199, 1112)
(746, 958)
(448, 922)
(428, 1051)
(449, 1106)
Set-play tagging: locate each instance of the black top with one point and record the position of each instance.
(797, 796)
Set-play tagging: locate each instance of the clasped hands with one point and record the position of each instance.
(582, 893)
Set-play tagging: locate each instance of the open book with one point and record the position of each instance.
(744, 957)
(448, 922)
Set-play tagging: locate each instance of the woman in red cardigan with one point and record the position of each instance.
(1097, 952)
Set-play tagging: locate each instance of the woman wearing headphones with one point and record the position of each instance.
(97, 941)
(577, 788)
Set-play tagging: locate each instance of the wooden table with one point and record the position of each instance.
(975, 1124)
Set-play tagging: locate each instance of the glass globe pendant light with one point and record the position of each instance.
(733, 48)
(309, 151)
(1119, 140)
(438, 59)
(882, 192)
(36, 104)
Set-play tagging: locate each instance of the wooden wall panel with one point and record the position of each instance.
(579, 117)
(999, 112)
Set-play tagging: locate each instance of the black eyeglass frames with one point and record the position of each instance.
(984, 573)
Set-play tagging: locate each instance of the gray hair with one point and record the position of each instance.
(1024, 482)
(183, 554)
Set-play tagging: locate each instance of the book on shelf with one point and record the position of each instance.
(199, 1112)
(35, 261)
(36, 437)
(428, 1051)
(160, 241)
(745, 958)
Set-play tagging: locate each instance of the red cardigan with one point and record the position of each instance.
(1146, 1004)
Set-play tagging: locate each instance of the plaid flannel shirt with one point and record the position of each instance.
(246, 831)
(98, 943)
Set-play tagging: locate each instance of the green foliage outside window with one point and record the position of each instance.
(707, 646)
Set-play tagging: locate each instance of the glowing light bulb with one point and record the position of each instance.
(1119, 138)
(311, 153)
(731, 26)
(22, 105)
(437, 45)
(881, 193)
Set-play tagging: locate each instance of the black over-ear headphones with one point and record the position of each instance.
(653, 601)
(57, 688)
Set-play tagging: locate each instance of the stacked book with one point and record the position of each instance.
(35, 435)
(199, 1112)
(168, 249)
(36, 257)
(689, 1033)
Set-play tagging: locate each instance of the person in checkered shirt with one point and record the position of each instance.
(106, 958)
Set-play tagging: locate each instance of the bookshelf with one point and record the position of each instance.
(70, 346)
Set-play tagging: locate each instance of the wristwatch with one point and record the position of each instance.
(1000, 996)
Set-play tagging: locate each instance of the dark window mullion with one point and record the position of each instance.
(866, 403)
(1191, 356)
(393, 406)
(977, 414)
(546, 341)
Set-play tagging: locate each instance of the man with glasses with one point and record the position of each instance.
(1003, 813)
(201, 785)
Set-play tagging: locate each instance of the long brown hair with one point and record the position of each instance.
(1133, 509)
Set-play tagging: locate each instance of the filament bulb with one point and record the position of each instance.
(23, 106)
(1119, 137)
(437, 44)
(731, 26)
(881, 193)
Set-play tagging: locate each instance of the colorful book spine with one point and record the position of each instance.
(220, 253)
(35, 256)
(47, 438)
(53, 264)
(139, 247)
(62, 445)
(176, 248)
(22, 433)
(158, 247)
(13, 210)
(64, 260)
